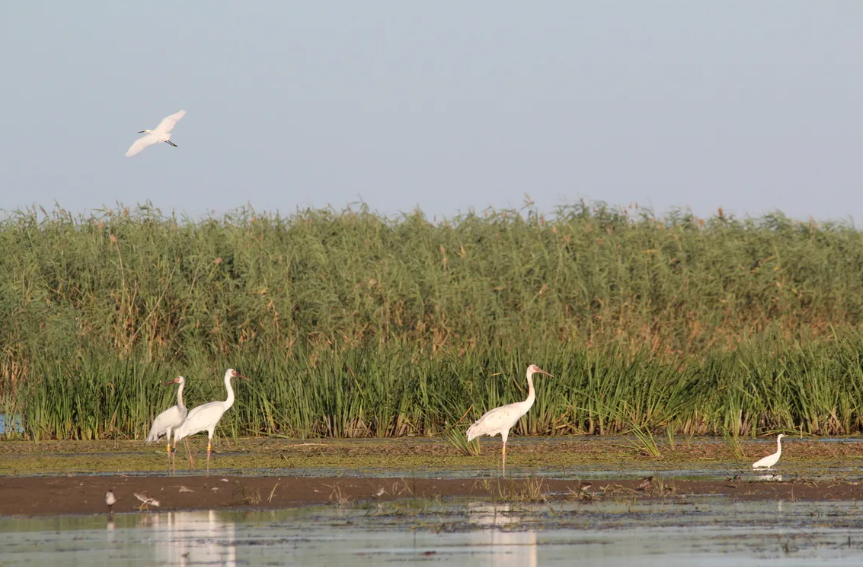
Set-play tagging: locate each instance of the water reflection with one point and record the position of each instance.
(194, 538)
(620, 534)
(500, 523)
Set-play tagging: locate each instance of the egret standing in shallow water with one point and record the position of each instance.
(162, 133)
(770, 460)
(501, 420)
(170, 419)
(206, 417)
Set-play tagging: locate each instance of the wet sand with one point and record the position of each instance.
(86, 494)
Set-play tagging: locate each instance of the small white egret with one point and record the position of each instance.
(206, 417)
(500, 420)
(170, 419)
(162, 133)
(770, 460)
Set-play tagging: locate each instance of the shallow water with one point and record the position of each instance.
(705, 531)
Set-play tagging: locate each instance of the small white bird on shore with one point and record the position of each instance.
(770, 460)
(162, 133)
(146, 501)
(110, 500)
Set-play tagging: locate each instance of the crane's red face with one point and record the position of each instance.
(176, 380)
(236, 374)
(537, 370)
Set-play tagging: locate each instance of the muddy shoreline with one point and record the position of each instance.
(27, 496)
(72, 477)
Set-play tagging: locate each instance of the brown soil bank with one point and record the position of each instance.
(86, 494)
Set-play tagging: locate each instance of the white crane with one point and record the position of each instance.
(501, 420)
(170, 419)
(206, 417)
(770, 460)
(162, 133)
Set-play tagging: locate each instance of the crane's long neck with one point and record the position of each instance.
(180, 395)
(779, 446)
(531, 393)
(230, 401)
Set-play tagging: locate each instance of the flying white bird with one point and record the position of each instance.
(162, 133)
(170, 419)
(771, 460)
(206, 417)
(501, 420)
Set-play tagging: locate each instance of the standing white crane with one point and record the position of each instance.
(206, 417)
(501, 420)
(770, 460)
(170, 419)
(162, 133)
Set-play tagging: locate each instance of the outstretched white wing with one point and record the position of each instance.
(167, 124)
(142, 143)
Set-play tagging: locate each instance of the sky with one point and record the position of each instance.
(448, 106)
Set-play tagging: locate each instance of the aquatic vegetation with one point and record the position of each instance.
(456, 438)
(352, 324)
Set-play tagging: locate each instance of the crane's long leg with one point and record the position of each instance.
(189, 452)
(209, 449)
(170, 453)
(503, 452)
(170, 142)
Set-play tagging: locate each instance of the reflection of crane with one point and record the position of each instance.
(501, 420)
(206, 417)
(195, 538)
(502, 535)
(771, 460)
(170, 419)
(162, 133)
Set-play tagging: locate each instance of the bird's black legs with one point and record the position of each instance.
(170, 142)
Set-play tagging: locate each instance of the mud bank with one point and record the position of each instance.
(86, 494)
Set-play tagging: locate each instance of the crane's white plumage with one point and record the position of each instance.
(170, 419)
(500, 420)
(207, 416)
(770, 460)
(162, 133)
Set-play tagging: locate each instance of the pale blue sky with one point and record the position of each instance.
(449, 105)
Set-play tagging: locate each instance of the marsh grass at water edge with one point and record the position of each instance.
(352, 324)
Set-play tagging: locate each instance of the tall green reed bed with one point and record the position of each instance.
(384, 392)
(354, 324)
